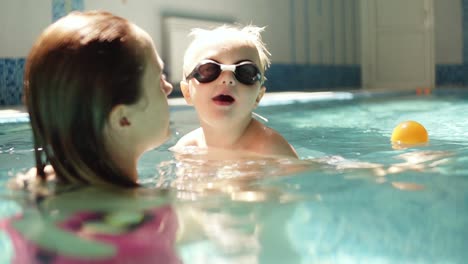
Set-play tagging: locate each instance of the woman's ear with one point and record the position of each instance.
(119, 117)
(184, 87)
(260, 95)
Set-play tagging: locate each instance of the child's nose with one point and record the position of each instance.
(228, 78)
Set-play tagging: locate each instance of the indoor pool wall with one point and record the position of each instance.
(298, 75)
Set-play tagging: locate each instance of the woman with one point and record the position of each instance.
(96, 95)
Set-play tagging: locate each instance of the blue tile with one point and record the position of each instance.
(297, 77)
(58, 9)
(448, 75)
(11, 81)
(62, 7)
(78, 5)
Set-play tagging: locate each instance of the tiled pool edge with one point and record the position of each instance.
(17, 113)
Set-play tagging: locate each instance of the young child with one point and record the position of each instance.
(96, 97)
(224, 72)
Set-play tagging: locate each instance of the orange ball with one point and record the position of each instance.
(409, 133)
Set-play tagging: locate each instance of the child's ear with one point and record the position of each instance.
(184, 87)
(260, 95)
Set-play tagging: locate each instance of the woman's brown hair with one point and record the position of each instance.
(78, 70)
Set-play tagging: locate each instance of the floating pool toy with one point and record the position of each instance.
(409, 133)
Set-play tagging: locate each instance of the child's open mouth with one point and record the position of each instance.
(223, 99)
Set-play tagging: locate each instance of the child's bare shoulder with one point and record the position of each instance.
(190, 139)
(278, 145)
(272, 142)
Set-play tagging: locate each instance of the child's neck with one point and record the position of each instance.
(232, 137)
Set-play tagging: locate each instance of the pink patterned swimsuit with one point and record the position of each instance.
(150, 241)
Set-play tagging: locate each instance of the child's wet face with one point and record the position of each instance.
(225, 98)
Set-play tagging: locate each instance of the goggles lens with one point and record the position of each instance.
(207, 71)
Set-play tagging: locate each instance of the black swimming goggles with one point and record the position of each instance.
(207, 71)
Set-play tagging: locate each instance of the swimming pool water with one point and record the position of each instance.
(354, 200)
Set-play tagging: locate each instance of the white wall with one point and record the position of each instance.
(312, 32)
(326, 32)
(448, 31)
(298, 31)
(176, 32)
(21, 22)
(148, 15)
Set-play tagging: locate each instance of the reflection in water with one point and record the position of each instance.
(243, 218)
(237, 174)
(220, 207)
(355, 200)
(417, 160)
(88, 225)
(420, 161)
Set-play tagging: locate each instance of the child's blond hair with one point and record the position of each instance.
(250, 34)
